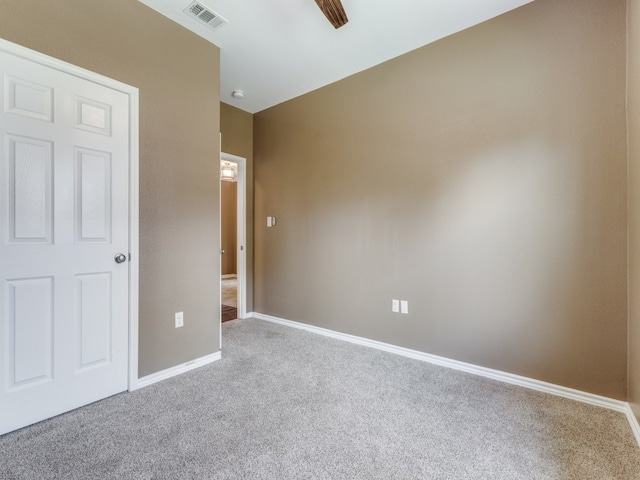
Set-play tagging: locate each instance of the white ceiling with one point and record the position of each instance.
(275, 50)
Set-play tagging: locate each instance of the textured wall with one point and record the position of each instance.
(633, 116)
(236, 127)
(482, 178)
(178, 77)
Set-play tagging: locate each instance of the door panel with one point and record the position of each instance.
(30, 167)
(93, 177)
(30, 318)
(94, 320)
(64, 207)
(28, 99)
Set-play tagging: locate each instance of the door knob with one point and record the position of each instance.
(120, 258)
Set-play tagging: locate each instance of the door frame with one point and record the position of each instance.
(241, 228)
(134, 173)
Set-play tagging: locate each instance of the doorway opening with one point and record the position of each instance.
(232, 236)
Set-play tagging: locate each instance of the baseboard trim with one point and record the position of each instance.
(521, 381)
(177, 370)
(633, 421)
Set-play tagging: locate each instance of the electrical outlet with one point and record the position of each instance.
(395, 305)
(404, 306)
(179, 319)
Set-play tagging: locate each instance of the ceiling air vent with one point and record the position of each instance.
(205, 15)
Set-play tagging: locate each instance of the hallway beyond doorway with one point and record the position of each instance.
(229, 286)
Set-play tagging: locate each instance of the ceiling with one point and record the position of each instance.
(275, 50)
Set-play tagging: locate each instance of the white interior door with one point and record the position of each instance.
(64, 211)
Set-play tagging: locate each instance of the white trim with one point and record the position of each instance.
(633, 421)
(526, 382)
(134, 235)
(134, 128)
(178, 369)
(219, 242)
(241, 221)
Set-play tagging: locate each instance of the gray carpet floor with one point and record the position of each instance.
(287, 404)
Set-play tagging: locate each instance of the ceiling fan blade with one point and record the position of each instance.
(334, 11)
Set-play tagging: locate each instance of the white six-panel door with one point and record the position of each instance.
(64, 216)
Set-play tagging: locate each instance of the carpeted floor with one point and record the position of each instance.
(287, 404)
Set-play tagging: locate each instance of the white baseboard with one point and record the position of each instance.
(526, 382)
(177, 370)
(633, 421)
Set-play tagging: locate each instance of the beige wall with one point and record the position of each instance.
(482, 178)
(633, 116)
(178, 77)
(236, 127)
(229, 232)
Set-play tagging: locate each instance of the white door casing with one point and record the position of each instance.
(66, 143)
(241, 222)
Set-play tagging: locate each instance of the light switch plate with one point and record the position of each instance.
(395, 305)
(179, 319)
(404, 306)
